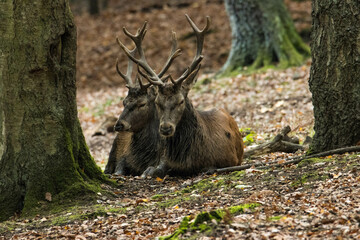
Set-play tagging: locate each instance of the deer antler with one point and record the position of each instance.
(141, 61)
(200, 34)
(150, 75)
(141, 84)
(127, 76)
(173, 54)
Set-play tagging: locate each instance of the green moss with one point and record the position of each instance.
(241, 208)
(78, 215)
(249, 70)
(312, 161)
(140, 208)
(202, 221)
(215, 182)
(299, 182)
(6, 227)
(174, 201)
(275, 218)
(237, 175)
(76, 194)
(61, 217)
(157, 197)
(308, 177)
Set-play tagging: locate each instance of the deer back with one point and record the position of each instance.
(202, 140)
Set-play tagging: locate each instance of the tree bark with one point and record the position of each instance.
(42, 148)
(94, 7)
(263, 34)
(335, 74)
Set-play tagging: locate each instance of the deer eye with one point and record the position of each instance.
(142, 105)
(182, 101)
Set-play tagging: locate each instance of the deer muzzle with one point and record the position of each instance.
(167, 129)
(122, 126)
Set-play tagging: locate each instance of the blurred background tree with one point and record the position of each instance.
(263, 34)
(94, 7)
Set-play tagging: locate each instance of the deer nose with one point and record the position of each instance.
(121, 126)
(167, 129)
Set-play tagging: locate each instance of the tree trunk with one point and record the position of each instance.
(335, 74)
(42, 149)
(94, 7)
(105, 4)
(263, 34)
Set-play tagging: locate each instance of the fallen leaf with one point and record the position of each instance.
(281, 161)
(159, 179)
(48, 196)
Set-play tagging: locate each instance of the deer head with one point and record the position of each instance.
(139, 103)
(171, 97)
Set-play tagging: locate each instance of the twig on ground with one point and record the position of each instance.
(294, 160)
(280, 143)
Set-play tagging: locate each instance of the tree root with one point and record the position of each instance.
(294, 160)
(280, 143)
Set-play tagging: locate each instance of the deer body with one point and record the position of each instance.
(139, 118)
(118, 152)
(203, 140)
(196, 140)
(144, 150)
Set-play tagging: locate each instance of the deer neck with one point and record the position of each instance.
(145, 147)
(178, 147)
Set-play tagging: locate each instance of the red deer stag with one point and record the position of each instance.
(194, 140)
(134, 153)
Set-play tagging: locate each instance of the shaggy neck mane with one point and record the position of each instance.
(187, 131)
(144, 144)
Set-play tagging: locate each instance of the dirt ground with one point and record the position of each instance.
(316, 199)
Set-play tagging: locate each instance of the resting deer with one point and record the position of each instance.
(194, 140)
(137, 144)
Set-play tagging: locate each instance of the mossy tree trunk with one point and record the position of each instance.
(335, 73)
(263, 34)
(42, 148)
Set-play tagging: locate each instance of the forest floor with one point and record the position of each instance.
(315, 199)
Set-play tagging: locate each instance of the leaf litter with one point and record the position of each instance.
(317, 199)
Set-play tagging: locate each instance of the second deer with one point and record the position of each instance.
(137, 144)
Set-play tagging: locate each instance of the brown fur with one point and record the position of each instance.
(198, 140)
(119, 149)
(137, 145)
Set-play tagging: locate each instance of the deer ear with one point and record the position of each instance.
(190, 80)
(185, 88)
(153, 91)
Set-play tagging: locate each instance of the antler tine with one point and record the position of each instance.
(127, 76)
(151, 79)
(173, 54)
(164, 79)
(200, 34)
(142, 86)
(137, 39)
(193, 74)
(187, 73)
